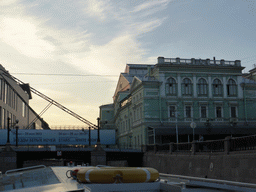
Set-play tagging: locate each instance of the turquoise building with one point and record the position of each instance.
(176, 100)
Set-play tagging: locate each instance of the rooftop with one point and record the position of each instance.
(193, 61)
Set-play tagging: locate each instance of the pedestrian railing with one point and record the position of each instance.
(224, 145)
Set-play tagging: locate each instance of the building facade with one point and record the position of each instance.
(14, 104)
(176, 100)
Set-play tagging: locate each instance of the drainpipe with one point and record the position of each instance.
(160, 107)
(245, 110)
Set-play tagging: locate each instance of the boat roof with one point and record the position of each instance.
(54, 179)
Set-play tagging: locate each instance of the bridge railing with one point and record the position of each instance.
(135, 148)
(224, 145)
(210, 146)
(243, 143)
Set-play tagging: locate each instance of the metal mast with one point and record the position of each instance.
(55, 103)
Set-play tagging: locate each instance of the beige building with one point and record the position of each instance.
(14, 104)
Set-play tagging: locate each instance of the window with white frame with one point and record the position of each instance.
(202, 87)
(187, 87)
(171, 86)
(231, 88)
(218, 111)
(233, 111)
(217, 87)
(203, 111)
(188, 111)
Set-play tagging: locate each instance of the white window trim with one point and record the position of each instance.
(188, 118)
(172, 119)
(235, 118)
(200, 112)
(218, 118)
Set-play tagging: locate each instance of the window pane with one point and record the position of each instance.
(231, 87)
(188, 111)
(233, 112)
(203, 111)
(217, 87)
(187, 86)
(172, 111)
(218, 112)
(171, 86)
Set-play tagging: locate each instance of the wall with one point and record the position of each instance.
(234, 166)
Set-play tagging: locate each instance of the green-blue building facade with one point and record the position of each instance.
(157, 103)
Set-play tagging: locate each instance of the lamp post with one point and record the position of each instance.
(89, 136)
(176, 125)
(17, 128)
(8, 129)
(98, 125)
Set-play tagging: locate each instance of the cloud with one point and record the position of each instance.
(7, 3)
(151, 6)
(43, 35)
(22, 34)
(109, 58)
(97, 8)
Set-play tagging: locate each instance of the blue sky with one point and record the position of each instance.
(42, 41)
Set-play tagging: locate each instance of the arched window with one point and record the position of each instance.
(171, 86)
(217, 87)
(186, 87)
(202, 87)
(231, 88)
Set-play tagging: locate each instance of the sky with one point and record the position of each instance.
(73, 51)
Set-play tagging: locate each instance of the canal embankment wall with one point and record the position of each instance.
(235, 166)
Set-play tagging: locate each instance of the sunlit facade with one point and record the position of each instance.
(155, 103)
(14, 104)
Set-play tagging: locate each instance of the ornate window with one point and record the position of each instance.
(231, 88)
(186, 87)
(171, 87)
(202, 87)
(217, 88)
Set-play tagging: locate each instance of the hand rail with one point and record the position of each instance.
(24, 169)
(217, 181)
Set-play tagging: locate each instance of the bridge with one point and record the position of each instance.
(230, 159)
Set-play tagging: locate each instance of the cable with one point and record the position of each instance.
(78, 75)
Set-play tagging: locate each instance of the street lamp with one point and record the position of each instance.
(177, 132)
(98, 125)
(8, 129)
(89, 136)
(17, 128)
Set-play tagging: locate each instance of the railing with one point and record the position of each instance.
(24, 169)
(182, 147)
(224, 145)
(193, 61)
(136, 148)
(243, 143)
(221, 185)
(210, 146)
